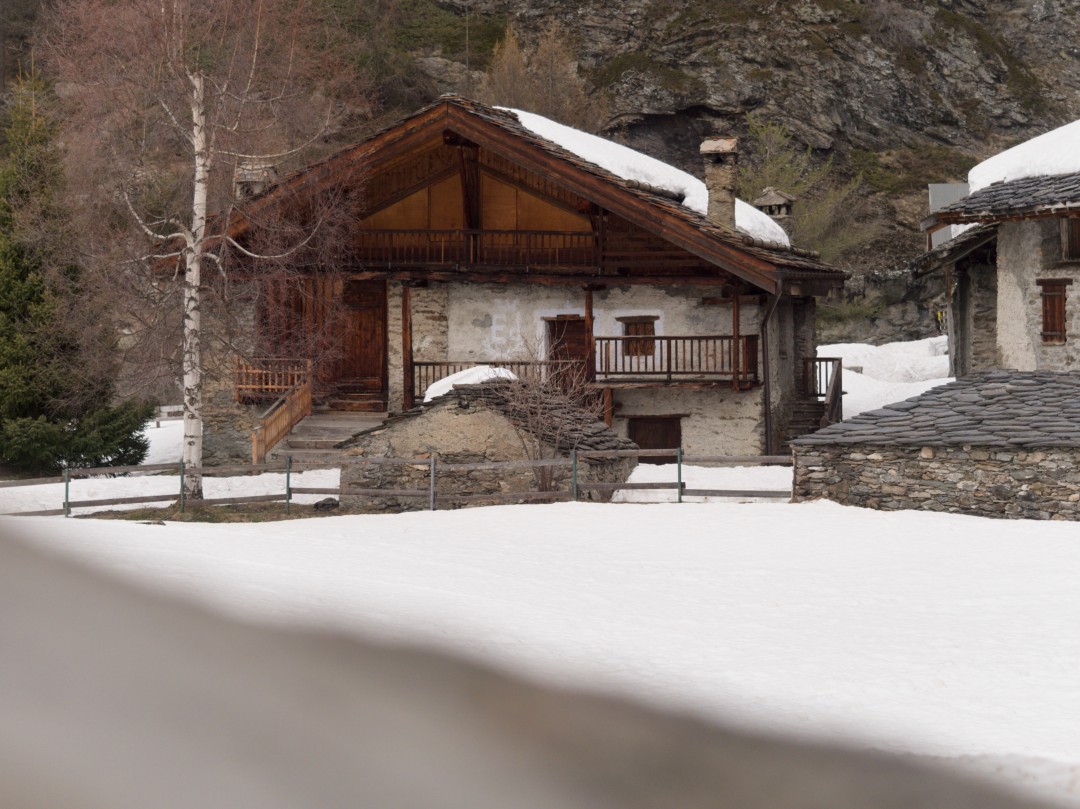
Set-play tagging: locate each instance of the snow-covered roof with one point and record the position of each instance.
(630, 164)
(1054, 152)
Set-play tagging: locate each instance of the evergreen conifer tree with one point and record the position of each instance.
(55, 384)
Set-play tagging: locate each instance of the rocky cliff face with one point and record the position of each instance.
(904, 93)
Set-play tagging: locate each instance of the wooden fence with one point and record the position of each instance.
(429, 494)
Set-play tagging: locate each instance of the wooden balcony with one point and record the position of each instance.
(669, 359)
(493, 248)
(630, 361)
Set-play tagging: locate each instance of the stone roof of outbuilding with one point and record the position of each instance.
(561, 422)
(1027, 197)
(994, 409)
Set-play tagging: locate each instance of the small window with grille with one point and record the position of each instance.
(641, 329)
(1053, 309)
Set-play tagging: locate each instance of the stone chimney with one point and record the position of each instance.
(721, 157)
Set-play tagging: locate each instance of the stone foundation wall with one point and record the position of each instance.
(456, 435)
(1041, 484)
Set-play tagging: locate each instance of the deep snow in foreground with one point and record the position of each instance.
(937, 635)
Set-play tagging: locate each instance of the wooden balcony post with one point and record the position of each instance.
(590, 366)
(409, 395)
(735, 382)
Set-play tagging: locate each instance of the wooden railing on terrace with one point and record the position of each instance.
(506, 248)
(278, 421)
(265, 378)
(668, 359)
(823, 379)
(424, 373)
(703, 357)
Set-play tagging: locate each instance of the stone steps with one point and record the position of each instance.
(317, 437)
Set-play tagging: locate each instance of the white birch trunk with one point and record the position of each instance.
(192, 348)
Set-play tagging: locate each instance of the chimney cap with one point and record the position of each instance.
(720, 146)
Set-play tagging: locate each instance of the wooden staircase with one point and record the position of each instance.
(806, 417)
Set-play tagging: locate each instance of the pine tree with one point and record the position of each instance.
(55, 384)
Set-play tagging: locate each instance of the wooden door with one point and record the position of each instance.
(656, 432)
(568, 341)
(363, 361)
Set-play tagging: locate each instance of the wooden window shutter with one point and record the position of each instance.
(1053, 309)
(641, 347)
(1070, 239)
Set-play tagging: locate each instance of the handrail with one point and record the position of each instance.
(279, 420)
(834, 396)
(823, 379)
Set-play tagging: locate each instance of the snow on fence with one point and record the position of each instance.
(430, 493)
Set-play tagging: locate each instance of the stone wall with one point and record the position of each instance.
(716, 421)
(227, 425)
(1041, 484)
(455, 434)
(1029, 251)
(973, 329)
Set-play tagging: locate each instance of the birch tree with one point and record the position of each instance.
(166, 99)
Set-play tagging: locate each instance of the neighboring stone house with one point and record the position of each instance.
(493, 421)
(1010, 279)
(487, 236)
(996, 444)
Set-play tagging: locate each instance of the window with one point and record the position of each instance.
(1053, 309)
(639, 327)
(1070, 239)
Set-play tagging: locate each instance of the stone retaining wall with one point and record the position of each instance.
(1041, 484)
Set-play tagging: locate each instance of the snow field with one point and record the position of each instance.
(930, 634)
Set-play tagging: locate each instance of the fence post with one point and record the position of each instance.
(181, 486)
(678, 465)
(431, 484)
(573, 473)
(67, 481)
(288, 482)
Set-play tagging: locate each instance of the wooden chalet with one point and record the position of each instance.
(478, 241)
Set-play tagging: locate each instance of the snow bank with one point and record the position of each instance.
(470, 376)
(933, 634)
(630, 164)
(889, 373)
(1054, 152)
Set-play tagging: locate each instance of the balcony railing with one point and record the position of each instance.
(503, 248)
(707, 357)
(425, 373)
(268, 378)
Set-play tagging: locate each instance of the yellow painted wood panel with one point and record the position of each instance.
(407, 214)
(447, 210)
(535, 213)
(498, 205)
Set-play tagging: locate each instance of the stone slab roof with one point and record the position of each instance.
(1029, 196)
(1036, 409)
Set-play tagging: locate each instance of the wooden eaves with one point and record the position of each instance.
(761, 265)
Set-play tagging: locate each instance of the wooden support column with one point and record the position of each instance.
(406, 346)
(609, 406)
(736, 383)
(590, 366)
